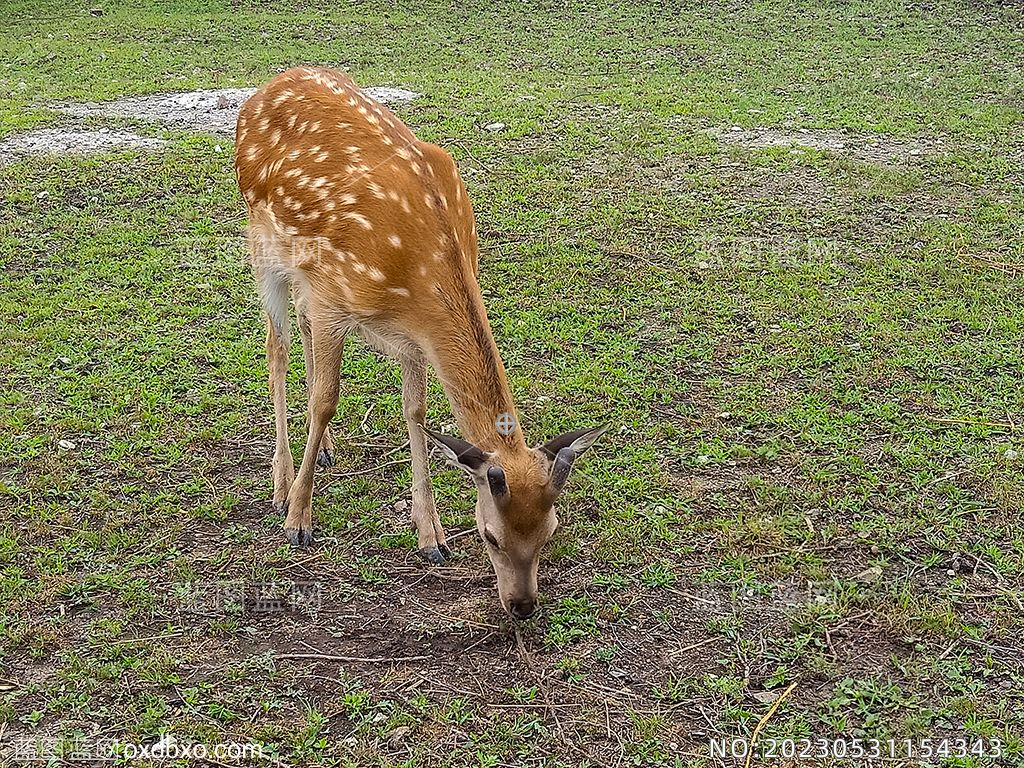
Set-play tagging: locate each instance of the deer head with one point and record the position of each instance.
(515, 516)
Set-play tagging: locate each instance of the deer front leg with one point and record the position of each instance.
(424, 514)
(325, 457)
(277, 365)
(323, 403)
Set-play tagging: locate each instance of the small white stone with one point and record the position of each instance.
(869, 575)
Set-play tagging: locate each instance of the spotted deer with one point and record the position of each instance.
(369, 230)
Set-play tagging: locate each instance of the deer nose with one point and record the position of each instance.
(522, 609)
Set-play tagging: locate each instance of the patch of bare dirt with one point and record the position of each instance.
(213, 111)
(869, 148)
(205, 111)
(64, 141)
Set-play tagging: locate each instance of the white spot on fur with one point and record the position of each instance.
(359, 219)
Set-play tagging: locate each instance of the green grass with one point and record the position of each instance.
(812, 365)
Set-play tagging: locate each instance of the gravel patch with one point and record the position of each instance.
(869, 148)
(212, 111)
(61, 141)
(206, 111)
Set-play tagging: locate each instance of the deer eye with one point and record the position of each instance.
(490, 539)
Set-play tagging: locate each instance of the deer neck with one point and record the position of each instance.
(471, 371)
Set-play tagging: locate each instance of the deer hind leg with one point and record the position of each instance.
(274, 295)
(325, 457)
(424, 514)
(327, 347)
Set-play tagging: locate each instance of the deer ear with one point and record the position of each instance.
(579, 441)
(463, 455)
(564, 449)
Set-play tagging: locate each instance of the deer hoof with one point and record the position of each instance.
(433, 555)
(445, 551)
(299, 537)
(325, 459)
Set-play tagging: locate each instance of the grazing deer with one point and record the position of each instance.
(370, 230)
